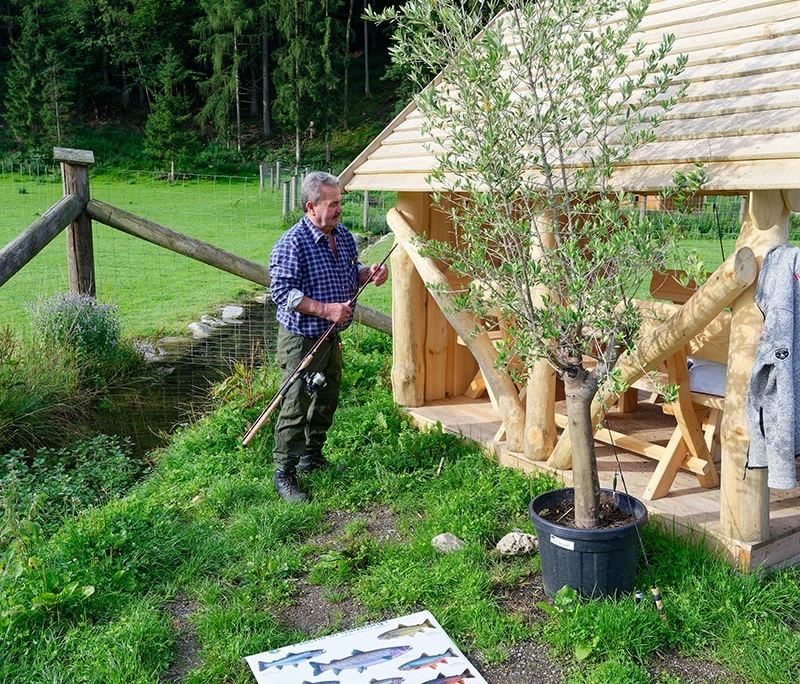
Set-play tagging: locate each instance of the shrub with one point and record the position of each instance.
(77, 324)
(58, 483)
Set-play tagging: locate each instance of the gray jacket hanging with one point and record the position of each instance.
(772, 408)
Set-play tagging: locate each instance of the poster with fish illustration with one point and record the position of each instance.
(412, 649)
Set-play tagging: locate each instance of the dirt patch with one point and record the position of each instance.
(317, 611)
(188, 648)
(610, 515)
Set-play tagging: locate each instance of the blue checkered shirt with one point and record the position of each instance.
(302, 262)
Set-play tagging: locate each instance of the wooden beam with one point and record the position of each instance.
(177, 242)
(206, 253)
(722, 287)
(35, 237)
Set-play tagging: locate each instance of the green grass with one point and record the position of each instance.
(89, 598)
(157, 291)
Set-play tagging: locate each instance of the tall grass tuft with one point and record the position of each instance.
(52, 380)
(41, 399)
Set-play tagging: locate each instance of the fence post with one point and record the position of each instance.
(277, 173)
(365, 220)
(285, 199)
(293, 192)
(261, 175)
(80, 250)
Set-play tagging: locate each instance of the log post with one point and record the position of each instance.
(409, 307)
(540, 398)
(365, 212)
(744, 496)
(465, 323)
(80, 250)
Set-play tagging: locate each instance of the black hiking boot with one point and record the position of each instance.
(288, 488)
(311, 461)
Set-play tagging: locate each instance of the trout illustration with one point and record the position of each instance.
(403, 631)
(293, 659)
(391, 680)
(451, 679)
(426, 660)
(360, 660)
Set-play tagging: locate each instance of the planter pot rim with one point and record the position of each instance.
(629, 504)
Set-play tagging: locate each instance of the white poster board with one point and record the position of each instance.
(412, 649)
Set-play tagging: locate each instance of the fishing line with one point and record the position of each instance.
(653, 586)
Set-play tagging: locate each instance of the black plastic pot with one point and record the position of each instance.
(597, 562)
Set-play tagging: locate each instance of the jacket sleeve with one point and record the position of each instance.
(769, 407)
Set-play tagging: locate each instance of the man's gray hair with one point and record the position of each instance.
(312, 187)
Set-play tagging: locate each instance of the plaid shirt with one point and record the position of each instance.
(302, 262)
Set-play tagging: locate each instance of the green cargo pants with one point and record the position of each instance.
(305, 417)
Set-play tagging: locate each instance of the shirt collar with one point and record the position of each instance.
(316, 233)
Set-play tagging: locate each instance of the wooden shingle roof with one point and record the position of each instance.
(740, 116)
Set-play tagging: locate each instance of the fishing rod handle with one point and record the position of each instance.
(265, 414)
(284, 389)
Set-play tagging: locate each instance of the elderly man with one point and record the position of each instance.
(314, 276)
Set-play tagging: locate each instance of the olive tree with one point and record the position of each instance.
(528, 119)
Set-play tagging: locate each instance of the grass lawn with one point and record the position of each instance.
(200, 564)
(156, 290)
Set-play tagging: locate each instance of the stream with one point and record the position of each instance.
(148, 412)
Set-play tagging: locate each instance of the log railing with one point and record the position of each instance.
(76, 211)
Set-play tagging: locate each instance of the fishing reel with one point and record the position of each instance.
(312, 381)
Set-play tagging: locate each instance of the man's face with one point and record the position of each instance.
(325, 215)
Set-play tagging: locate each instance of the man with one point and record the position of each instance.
(314, 275)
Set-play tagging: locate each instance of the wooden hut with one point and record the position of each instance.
(740, 117)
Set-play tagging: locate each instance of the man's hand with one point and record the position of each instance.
(335, 312)
(338, 313)
(375, 273)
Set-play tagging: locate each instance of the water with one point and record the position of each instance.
(148, 412)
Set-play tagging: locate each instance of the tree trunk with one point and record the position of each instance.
(367, 90)
(266, 124)
(346, 95)
(237, 91)
(580, 387)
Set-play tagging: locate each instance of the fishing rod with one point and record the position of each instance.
(305, 362)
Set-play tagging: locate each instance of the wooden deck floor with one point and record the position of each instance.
(691, 509)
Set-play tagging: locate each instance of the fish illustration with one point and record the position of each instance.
(402, 630)
(360, 660)
(451, 679)
(391, 680)
(426, 660)
(330, 681)
(290, 659)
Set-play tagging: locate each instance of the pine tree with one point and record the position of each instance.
(39, 88)
(168, 135)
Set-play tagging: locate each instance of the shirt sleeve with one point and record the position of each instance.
(284, 273)
(293, 299)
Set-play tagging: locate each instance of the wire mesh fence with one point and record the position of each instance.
(196, 319)
(192, 321)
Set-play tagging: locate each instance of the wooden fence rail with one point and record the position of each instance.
(35, 237)
(77, 211)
